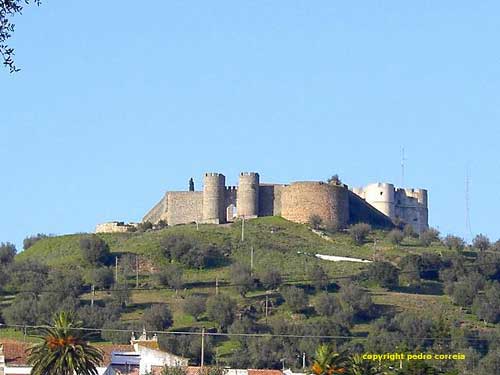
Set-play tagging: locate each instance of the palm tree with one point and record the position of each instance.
(64, 349)
(358, 366)
(328, 362)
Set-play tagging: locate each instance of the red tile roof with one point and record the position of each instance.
(15, 351)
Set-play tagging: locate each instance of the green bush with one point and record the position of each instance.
(395, 236)
(429, 236)
(195, 305)
(295, 298)
(157, 318)
(270, 278)
(315, 221)
(454, 242)
(481, 242)
(383, 273)
(221, 309)
(359, 232)
(95, 250)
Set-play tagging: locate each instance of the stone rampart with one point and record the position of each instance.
(184, 207)
(301, 200)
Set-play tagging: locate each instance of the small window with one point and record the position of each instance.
(381, 193)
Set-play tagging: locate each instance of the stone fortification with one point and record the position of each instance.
(301, 200)
(407, 205)
(114, 227)
(378, 204)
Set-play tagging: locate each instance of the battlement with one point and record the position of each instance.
(252, 174)
(376, 203)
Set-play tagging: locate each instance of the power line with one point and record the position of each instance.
(225, 334)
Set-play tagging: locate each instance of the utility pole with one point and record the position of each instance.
(251, 258)
(402, 167)
(136, 271)
(267, 306)
(467, 203)
(92, 294)
(202, 361)
(243, 228)
(303, 360)
(116, 270)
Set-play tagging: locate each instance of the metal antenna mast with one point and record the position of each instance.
(468, 227)
(403, 159)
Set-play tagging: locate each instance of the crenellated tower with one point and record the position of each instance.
(247, 198)
(213, 198)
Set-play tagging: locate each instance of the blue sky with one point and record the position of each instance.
(118, 102)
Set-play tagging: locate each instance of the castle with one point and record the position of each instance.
(381, 204)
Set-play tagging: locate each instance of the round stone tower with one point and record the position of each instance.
(213, 198)
(247, 197)
(381, 196)
(301, 200)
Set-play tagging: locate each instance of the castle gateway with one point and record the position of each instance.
(380, 204)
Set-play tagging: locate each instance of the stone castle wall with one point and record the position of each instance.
(114, 227)
(301, 200)
(184, 207)
(158, 211)
(407, 205)
(378, 204)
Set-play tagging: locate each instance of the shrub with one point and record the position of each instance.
(195, 305)
(359, 232)
(383, 273)
(221, 309)
(115, 331)
(190, 252)
(319, 277)
(271, 278)
(144, 226)
(171, 276)
(158, 317)
(334, 180)
(28, 275)
(315, 221)
(464, 290)
(7, 253)
(454, 242)
(95, 250)
(31, 240)
(395, 236)
(173, 370)
(23, 310)
(481, 242)
(429, 236)
(410, 270)
(241, 277)
(295, 298)
(495, 246)
(326, 304)
(487, 306)
(408, 231)
(332, 227)
(120, 294)
(102, 277)
(355, 301)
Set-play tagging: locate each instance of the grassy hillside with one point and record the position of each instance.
(276, 243)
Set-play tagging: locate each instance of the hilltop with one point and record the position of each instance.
(276, 244)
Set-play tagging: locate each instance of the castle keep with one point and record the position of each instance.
(380, 205)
